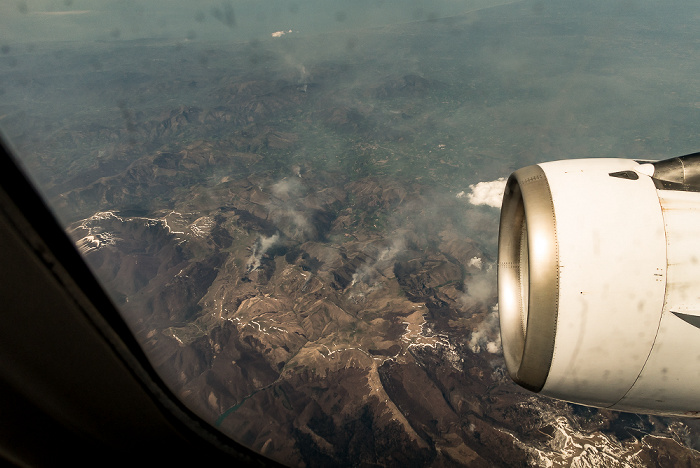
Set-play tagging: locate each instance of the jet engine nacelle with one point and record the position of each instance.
(599, 282)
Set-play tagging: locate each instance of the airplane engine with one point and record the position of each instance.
(599, 282)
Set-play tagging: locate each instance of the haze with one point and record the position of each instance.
(295, 204)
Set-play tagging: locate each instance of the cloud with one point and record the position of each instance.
(280, 33)
(486, 193)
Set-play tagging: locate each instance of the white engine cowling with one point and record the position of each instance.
(599, 282)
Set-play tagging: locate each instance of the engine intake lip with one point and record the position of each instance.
(528, 277)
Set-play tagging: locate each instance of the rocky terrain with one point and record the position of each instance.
(326, 317)
(290, 242)
(298, 330)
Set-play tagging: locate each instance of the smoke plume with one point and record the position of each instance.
(262, 245)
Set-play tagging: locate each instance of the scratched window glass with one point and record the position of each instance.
(295, 204)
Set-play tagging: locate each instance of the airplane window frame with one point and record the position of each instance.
(58, 273)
